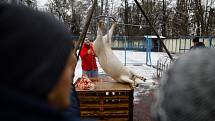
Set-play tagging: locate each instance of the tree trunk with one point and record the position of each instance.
(126, 18)
(102, 5)
(199, 14)
(164, 19)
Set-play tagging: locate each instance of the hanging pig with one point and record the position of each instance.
(109, 61)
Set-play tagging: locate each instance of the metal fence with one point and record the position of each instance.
(163, 64)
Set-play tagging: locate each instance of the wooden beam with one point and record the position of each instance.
(86, 26)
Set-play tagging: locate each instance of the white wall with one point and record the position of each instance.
(177, 45)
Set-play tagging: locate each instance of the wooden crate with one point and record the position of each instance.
(109, 100)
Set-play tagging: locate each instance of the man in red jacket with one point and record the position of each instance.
(88, 57)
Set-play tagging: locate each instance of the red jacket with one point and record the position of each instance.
(88, 60)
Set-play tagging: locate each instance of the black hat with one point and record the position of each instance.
(34, 49)
(196, 39)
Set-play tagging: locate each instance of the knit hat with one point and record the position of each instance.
(34, 49)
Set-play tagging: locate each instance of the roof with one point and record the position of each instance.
(153, 36)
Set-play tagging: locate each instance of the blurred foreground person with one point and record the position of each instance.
(187, 92)
(36, 64)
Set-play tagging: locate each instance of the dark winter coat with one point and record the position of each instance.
(198, 45)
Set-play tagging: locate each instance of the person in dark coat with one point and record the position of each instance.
(187, 92)
(36, 66)
(197, 44)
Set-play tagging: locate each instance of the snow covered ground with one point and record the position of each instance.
(137, 62)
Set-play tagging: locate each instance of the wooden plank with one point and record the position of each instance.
(105, 108)
(126, 101)
(105, 105)
(106, 119)
(103, 114)
(103, 93)
(114, 112)
(113, 119)
(105, 97)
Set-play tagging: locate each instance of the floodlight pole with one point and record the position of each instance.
(147, 19)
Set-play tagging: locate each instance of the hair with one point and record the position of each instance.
(187, 92)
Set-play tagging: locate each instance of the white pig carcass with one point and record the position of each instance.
(109, 61)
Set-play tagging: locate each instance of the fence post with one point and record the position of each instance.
(210, 41)
(148, 51)
(180, 46)
(125, 42)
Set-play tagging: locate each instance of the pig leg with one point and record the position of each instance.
(134, 75)
(108, 36)
(100, 28)
(98, 43)
(126, 79)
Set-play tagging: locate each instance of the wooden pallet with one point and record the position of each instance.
(108, 100)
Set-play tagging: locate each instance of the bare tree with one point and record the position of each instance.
(170, 20)
(67, 12)
(203, 16)
(180, 21)
(102, 5)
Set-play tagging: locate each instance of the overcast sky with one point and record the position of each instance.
(41, 2)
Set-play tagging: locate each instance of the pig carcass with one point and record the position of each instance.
(109, 61)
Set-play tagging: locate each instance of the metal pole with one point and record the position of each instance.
(185, 43)
(125, 44)
(210, 41)
(147, 19)
(180, 46)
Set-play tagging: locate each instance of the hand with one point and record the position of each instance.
(89, 51)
